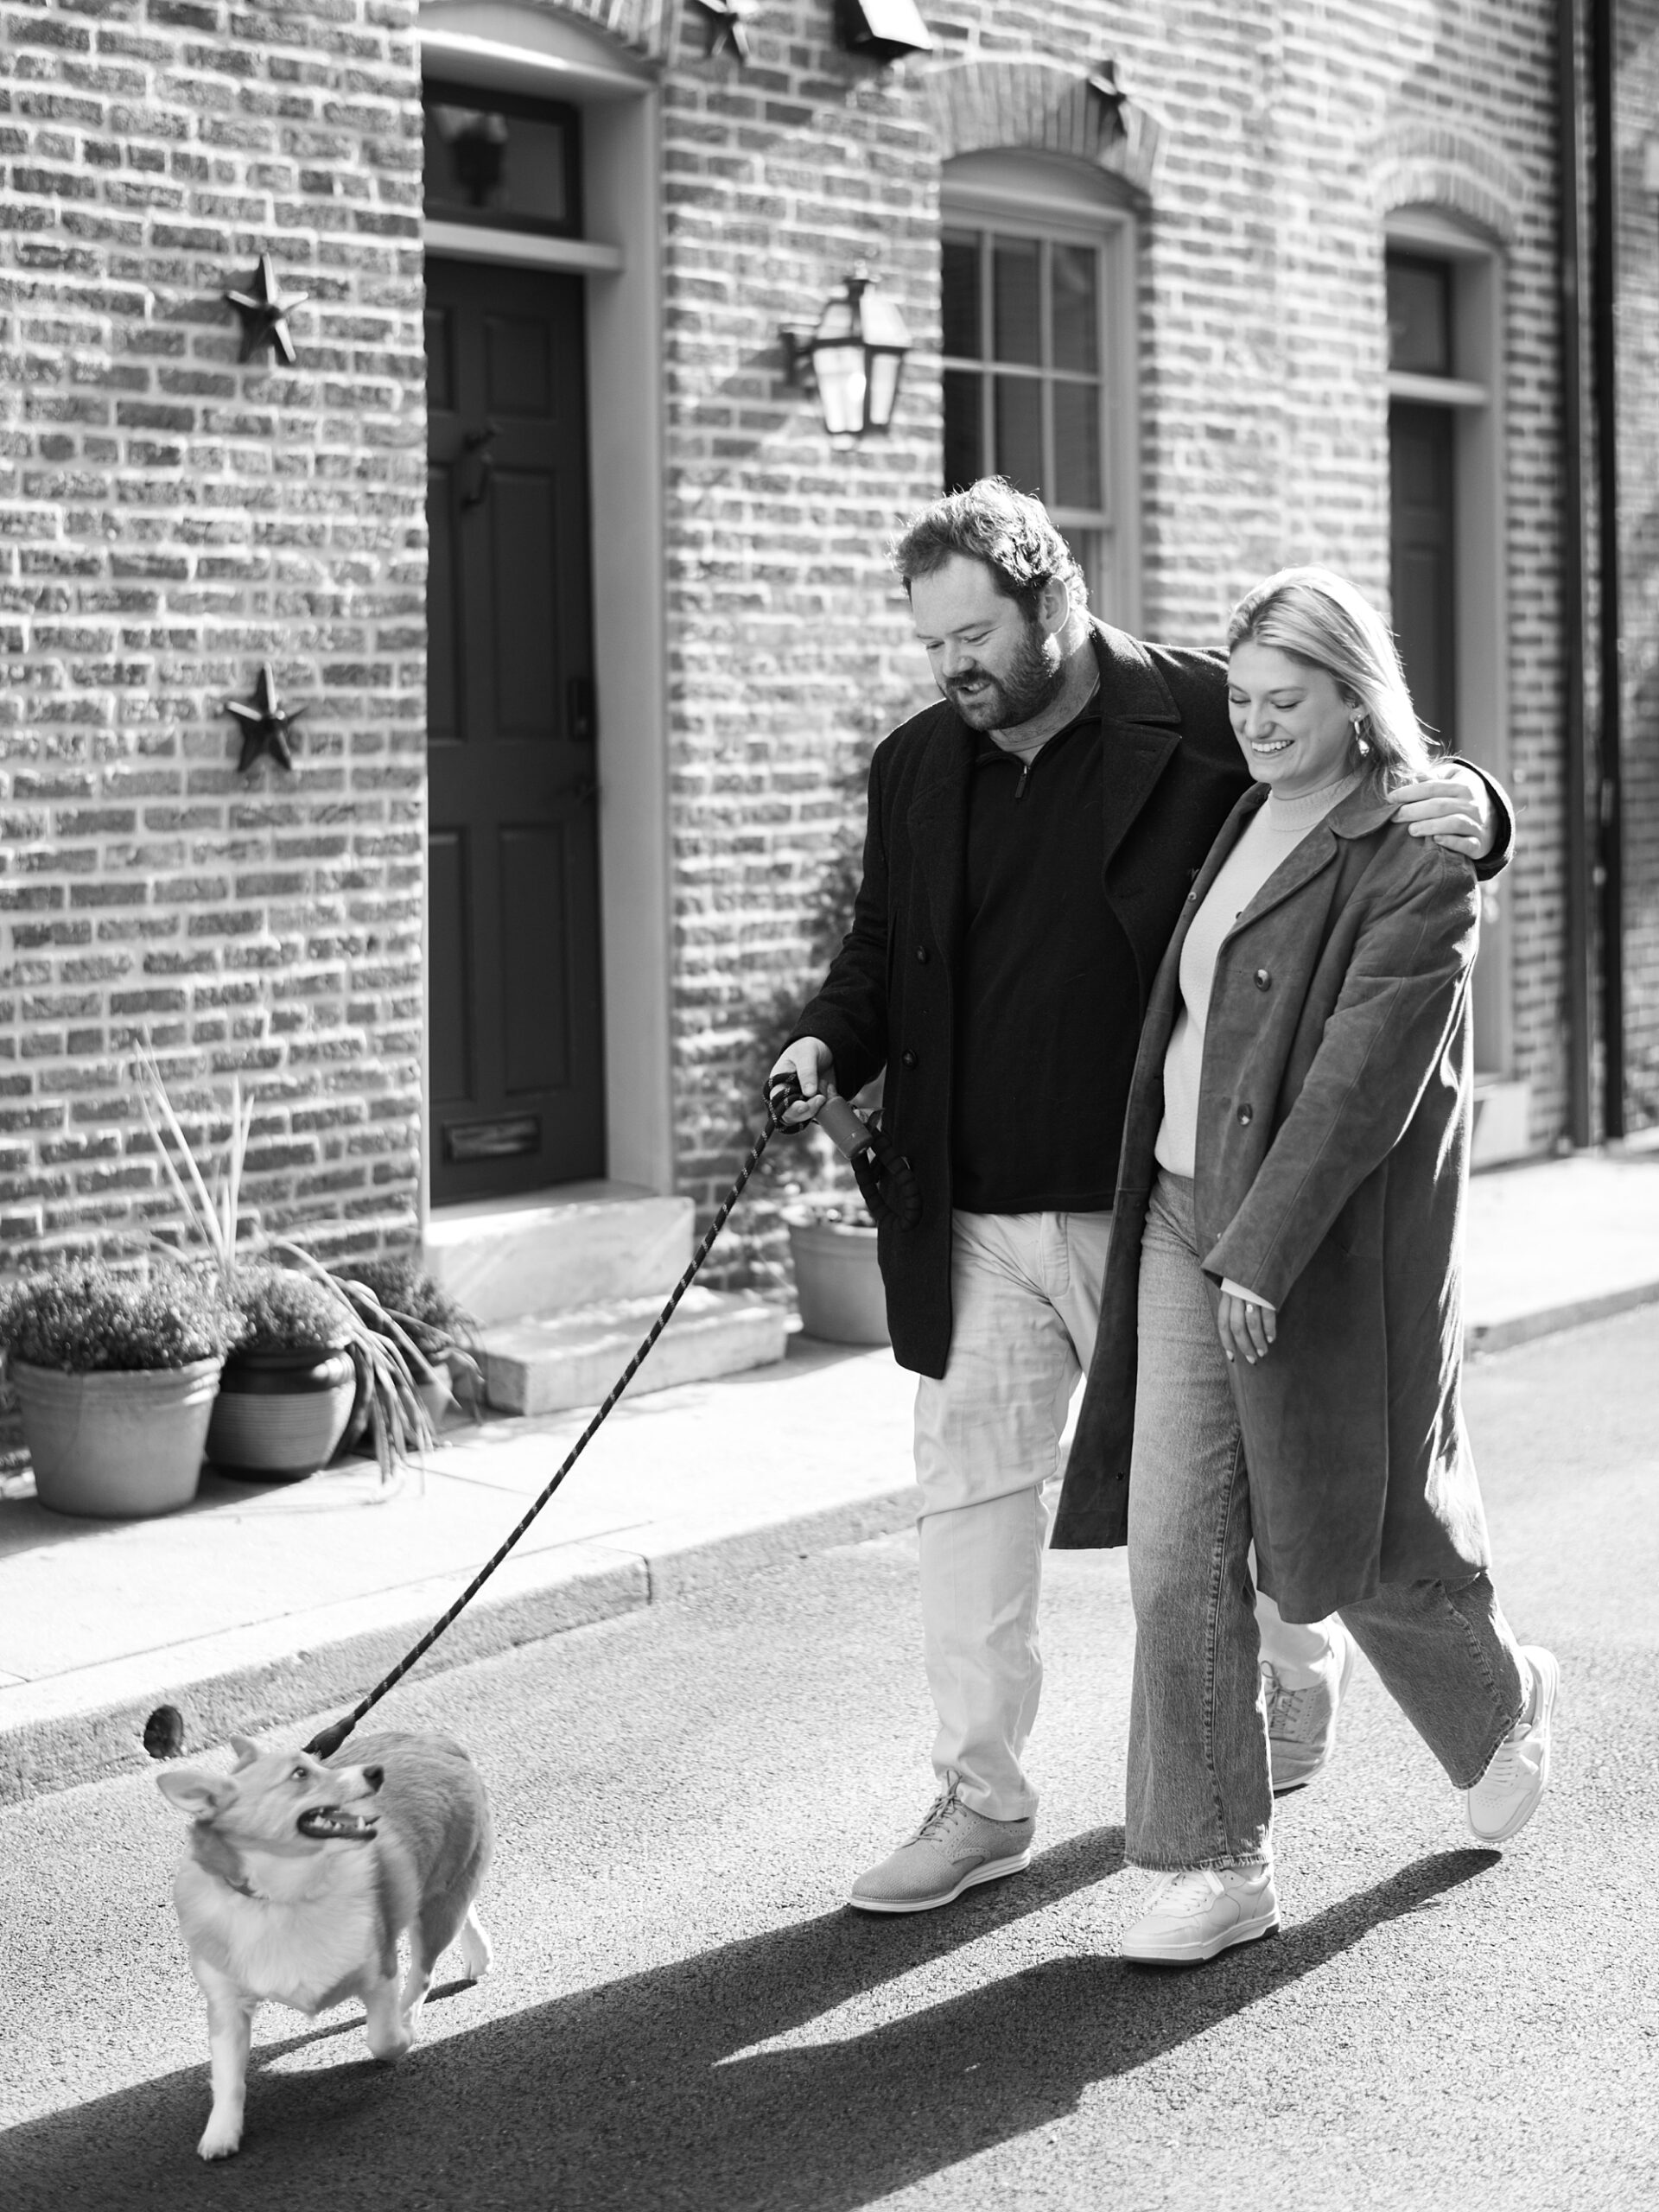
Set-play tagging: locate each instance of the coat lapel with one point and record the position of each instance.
(937, 821)
(1140, 727)
(1354, 817)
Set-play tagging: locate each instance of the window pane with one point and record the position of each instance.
(1077, 445)
(960, 274)
(964, 456)
(1420, 315)
(1077, 316)
(498, 164)
(1019, 432)
(1017, 297)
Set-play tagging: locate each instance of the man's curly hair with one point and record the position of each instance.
(1008, 531)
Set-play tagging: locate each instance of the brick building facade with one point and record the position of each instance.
(1286, 191)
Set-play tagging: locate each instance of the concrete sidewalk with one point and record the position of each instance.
(261, 1606)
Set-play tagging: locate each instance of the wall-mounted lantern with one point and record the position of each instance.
(855, 354)
(882, 30)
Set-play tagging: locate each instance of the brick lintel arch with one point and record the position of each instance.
(1433, 165)
(1041, 105)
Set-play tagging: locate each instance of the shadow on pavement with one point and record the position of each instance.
(648, 2091)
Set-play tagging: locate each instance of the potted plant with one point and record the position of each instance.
(441, 1332)
(115, 1377)
(387, 1361)
(288, 1388)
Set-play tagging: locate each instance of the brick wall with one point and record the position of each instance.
(1285, 134)
(170, 520)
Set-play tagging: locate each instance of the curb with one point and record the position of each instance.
(87, 1725)
(1523, 1328)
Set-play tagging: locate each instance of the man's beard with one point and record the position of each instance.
(1032, 681)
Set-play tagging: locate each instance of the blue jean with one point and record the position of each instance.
(1199, 1793)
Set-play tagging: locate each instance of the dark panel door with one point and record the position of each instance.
(1423, 558)
(513, 975)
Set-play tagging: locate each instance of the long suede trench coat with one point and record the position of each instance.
(1332, 1163)
(1172, 773)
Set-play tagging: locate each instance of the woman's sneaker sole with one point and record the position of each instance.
(1200, 1954)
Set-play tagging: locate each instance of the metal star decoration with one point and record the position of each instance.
(264, 724)
(728, 21)
(264, 313)
(1103, 83)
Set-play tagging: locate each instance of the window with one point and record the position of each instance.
(1034, 360)
(501, 158)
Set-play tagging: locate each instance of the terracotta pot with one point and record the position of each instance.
(281, 1415)
(838, 1281)
(123, 1445)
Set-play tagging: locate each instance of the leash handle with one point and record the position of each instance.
(328, 1740)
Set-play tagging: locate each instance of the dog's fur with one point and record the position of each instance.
(300, 1877)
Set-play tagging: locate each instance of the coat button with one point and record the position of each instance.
(1246, 1115)
(908, 1060)
(1262, 979)
(921, 954)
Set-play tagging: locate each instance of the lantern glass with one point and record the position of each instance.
(884, 388)
(842, 382)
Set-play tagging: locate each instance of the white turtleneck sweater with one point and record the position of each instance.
(1271, 836)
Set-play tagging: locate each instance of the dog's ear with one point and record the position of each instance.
(247, 1751)
(193, 1790)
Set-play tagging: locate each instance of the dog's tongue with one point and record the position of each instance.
(323, 1821)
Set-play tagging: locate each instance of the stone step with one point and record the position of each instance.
(554, 1251)
(544, 1362)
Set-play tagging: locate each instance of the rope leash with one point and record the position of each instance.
(328, 1740)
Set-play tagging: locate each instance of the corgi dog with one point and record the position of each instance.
(300, 1877)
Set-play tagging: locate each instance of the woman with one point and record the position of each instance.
(1280, 1335)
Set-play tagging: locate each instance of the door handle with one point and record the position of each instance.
(479, 442)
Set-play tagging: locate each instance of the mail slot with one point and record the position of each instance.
(464, 1140)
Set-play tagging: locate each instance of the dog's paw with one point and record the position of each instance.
(220, 2139)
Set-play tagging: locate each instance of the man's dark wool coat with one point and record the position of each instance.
(1171, 773)
(1333, 1113)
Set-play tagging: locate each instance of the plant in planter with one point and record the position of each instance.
(288, 1388)
(438, 1328)
(386, 1360)
(115, 1377)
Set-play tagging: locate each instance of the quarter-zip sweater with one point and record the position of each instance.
(1048, 1009)
(1272, 835)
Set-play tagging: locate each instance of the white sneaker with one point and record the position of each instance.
(1185, 1918)
(1517, 1775)
(1302, 1722)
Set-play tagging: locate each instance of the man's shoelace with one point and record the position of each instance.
(1288, 1714)
(938, 1812)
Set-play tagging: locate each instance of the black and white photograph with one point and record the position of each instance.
(829, 1105)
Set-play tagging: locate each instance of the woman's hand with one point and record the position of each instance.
(1248, 1327)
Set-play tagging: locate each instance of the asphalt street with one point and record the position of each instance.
(682, 2013)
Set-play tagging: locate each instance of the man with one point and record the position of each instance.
(1031, 839)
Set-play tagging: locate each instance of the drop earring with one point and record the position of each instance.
(1363, 744)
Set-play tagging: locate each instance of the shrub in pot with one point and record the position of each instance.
(435, 1331)
(287, 1391)
(388, 1364)
(832, 1245)
(115, 1377)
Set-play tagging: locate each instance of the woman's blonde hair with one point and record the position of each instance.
(1317, 617)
